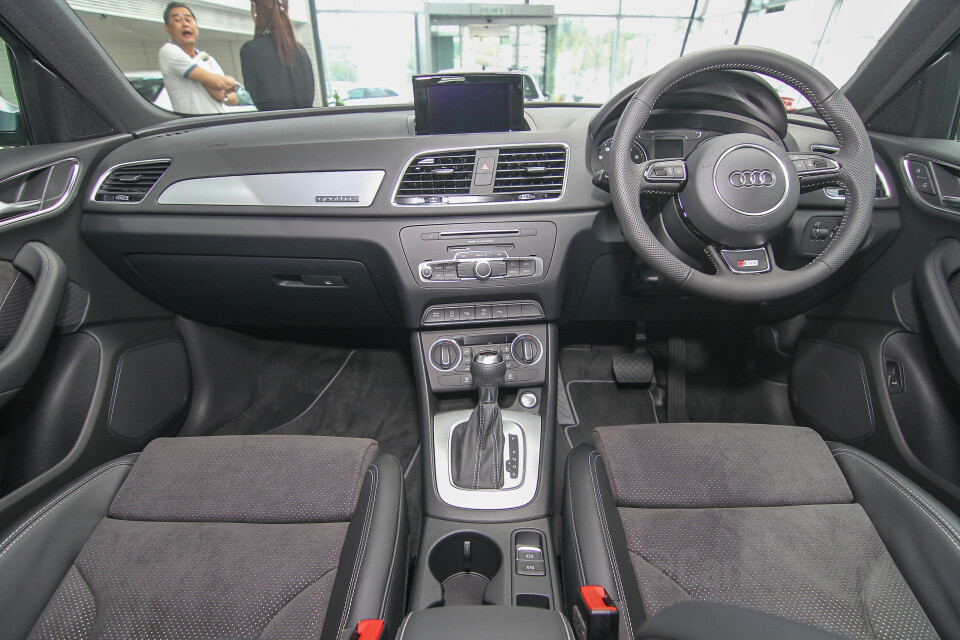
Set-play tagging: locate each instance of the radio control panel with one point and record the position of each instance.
(480, 265)
(479, 255)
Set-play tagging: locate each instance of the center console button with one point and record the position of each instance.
(435, 315)
(499, 268)
(467, 313)
(514, 311)
(464, 270)
(528, 400)
(484, 312)
(499, 311)
(528, 568)
(529, 554)
(451, 314)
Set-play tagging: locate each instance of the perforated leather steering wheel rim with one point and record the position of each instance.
(856, 176)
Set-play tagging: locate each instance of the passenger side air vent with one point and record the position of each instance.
(429, 178)
(531, 173)
(130, 182)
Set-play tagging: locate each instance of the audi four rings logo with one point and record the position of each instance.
(755, 178)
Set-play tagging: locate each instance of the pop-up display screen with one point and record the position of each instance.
(468, 103)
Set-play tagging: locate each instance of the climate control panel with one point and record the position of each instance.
(448, 354)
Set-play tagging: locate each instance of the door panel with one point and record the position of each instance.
(66, 322)
(903, 338)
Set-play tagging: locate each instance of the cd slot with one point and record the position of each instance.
(468, 233)
(480, 247)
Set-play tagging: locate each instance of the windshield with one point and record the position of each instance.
(227, 55)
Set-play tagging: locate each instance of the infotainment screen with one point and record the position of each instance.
(468, 102)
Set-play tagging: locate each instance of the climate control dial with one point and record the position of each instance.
(526, 349)
(445, 354)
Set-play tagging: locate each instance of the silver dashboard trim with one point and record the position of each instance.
(512, 145)
(54, 208)
(301, 189)
(515, 492)
(111, 169)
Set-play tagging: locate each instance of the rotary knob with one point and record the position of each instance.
(526, 349)
(482, 269)
(445, 354)
(426, 272)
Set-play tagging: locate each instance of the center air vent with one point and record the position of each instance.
(532, 173)
(484, 176)
(435, 175)
(130, 182)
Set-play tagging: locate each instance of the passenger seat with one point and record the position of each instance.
(214, 537)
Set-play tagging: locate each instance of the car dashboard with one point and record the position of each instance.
(349, 218)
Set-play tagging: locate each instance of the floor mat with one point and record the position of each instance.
(600, 403)
(309, 390)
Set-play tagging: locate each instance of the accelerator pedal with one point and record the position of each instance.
(677, 380)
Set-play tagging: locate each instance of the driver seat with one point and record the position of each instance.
(766, 518)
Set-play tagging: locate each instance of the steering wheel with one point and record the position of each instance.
(736, 192)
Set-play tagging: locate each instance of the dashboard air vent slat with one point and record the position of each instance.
(130, 182)
(439, 174)
(535, 170)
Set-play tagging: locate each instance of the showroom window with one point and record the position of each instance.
(364, 52)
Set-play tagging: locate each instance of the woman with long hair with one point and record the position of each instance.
(276, 69)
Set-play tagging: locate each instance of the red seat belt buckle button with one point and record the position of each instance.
(600, 615)
(369, 630)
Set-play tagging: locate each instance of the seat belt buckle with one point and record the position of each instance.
(369, 630)
(601, 619)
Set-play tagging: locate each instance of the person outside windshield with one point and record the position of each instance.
(276, 69)
(195, 82)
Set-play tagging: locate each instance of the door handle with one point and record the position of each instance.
(13, 208)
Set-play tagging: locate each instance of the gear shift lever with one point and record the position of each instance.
(477, 447)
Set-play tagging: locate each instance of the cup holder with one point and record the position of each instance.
(463, 564)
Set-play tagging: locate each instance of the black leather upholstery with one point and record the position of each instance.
(372, 578)
(37, 551)
(759, 547)
(922, 535)
(593, 549)
(219, 565)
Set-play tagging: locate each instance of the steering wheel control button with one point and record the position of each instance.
(528, 400)
(666, 171)
(746, 260)
(810, 165)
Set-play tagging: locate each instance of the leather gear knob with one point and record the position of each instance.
(488, 368)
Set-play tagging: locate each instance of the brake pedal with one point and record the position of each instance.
(633, 368)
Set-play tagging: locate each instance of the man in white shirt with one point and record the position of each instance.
(194, 81)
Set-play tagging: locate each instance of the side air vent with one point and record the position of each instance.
(531, 173)
(436, 175)
(836, 193)
(130, 182)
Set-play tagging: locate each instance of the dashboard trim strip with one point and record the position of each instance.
(301, 189)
